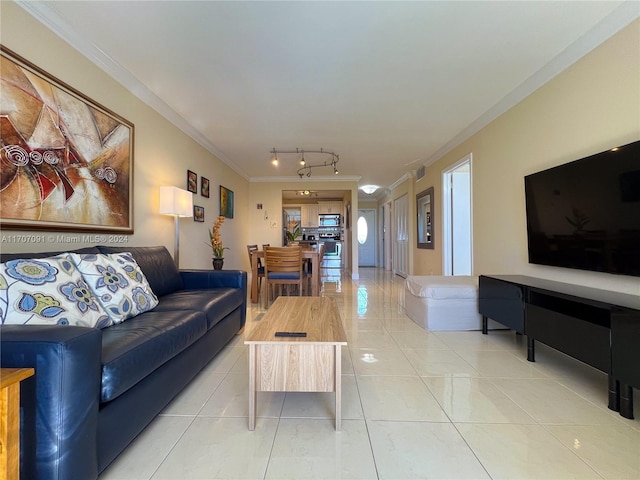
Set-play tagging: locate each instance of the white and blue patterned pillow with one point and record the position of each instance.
(117, 282)
(47, 291)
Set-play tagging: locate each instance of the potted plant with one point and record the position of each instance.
(216, 244)
(293, 232)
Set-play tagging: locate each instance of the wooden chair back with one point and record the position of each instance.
(283, 265)
(250, 250)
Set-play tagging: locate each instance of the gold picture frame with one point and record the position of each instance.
(226, 202)
(66, 162)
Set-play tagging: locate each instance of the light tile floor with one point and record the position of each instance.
(416, 404)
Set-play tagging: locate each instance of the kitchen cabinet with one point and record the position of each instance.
(325, 208)
(309, 216)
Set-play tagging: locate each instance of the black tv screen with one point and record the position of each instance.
(586, 214)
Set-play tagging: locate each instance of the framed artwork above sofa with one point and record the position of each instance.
(66, 161)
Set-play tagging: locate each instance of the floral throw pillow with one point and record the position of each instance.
(47, 291)
(117, 282)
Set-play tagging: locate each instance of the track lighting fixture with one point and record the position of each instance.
(306, 168)
(307, 193)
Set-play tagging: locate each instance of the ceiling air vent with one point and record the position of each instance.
(420, 173)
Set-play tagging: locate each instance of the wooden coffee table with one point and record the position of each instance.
(297, 364)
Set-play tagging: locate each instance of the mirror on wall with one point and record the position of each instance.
(425, 209)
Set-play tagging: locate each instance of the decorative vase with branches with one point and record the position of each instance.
(216, 243)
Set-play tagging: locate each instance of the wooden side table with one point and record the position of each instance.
(10, 379)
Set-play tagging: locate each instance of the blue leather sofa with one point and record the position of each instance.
(95, 390)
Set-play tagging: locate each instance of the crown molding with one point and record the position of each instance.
(622, 16)
(50, 18)
(402, 179)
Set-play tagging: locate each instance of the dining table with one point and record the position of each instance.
(313, 253)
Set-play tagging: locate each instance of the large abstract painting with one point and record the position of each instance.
(66, 162)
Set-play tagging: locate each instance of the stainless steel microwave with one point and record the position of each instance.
(332, 220)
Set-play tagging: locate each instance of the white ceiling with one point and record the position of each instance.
(386, 85)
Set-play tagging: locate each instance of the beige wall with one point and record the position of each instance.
(428, 261)
(592, 106)
(162, 152)
(369, 204)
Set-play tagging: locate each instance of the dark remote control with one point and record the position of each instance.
(291, 334)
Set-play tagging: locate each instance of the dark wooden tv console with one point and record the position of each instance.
(598, 327)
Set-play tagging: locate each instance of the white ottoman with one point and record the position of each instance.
(444, 303)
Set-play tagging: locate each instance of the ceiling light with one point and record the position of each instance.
(369, 189)
(306, 168)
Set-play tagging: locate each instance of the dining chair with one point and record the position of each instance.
(320, 256)
(283, 266)
(250, 250)
(307, 265)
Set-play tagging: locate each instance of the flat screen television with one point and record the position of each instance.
(586, 214)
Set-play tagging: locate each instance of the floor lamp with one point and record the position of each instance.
(178, 203)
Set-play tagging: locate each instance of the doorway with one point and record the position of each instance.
(366, 236)
(457, 219)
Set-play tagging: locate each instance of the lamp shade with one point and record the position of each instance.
(176, 201)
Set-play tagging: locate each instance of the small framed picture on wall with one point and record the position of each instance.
(226, 202)
(198, 213)
(204, 187)
(192, 181)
